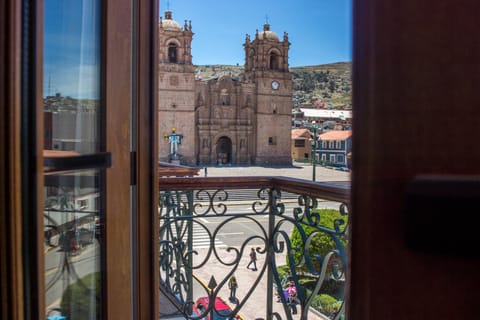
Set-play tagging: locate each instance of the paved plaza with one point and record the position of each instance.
(297, 170)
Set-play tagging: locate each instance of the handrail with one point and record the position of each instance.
(323, 190)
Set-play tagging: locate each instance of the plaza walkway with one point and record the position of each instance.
(297, 170)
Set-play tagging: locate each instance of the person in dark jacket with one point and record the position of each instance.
(253, 260)
(233, 285)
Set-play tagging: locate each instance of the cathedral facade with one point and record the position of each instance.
(243, 120)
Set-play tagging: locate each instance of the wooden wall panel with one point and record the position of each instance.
(415, 77)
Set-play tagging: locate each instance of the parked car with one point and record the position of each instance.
(74, 239)
(221, 310)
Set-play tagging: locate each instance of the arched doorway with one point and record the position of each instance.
(224, 150)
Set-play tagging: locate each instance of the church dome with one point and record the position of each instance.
(266, 34)
(169, 24)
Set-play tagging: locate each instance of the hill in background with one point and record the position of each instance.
(327, 85)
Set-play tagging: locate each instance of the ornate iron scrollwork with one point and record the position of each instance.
(181, 262)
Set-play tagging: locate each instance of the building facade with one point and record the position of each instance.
(241, 120)
(301, 144)
(335, 147)
(71, 124)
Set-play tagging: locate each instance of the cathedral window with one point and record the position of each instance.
(172, 53)
(274, 61)
(224, 97)
(251, 59)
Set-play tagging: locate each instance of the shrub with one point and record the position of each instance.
(321, 243)
(329, 286)
(81, 297)
(283, 271)
(326, 304)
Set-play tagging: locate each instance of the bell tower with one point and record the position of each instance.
(175, 41)
(266, 65)
(266, 52)
(176, 85)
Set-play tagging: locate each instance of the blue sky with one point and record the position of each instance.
(71, 48)
(319, 30)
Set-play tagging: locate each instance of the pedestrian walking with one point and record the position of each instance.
(292, 296)
(253, 260)
(233, 285)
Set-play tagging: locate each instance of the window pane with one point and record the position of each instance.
(73, 253)
(72, 117)
(71, 75)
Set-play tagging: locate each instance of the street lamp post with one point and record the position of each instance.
(314, 128)
(174, 139)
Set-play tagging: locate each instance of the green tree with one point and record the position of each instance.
(321, 242)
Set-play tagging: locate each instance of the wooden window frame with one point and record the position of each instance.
(127, 80)
(11, 268)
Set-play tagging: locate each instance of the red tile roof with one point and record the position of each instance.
(300, 133)
(336, 135)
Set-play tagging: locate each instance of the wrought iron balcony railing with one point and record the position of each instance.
(298, 231)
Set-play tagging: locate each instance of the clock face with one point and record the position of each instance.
(275, 85)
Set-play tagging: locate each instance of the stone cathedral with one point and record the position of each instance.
(225, 120)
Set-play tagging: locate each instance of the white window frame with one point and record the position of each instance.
(82, 204)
